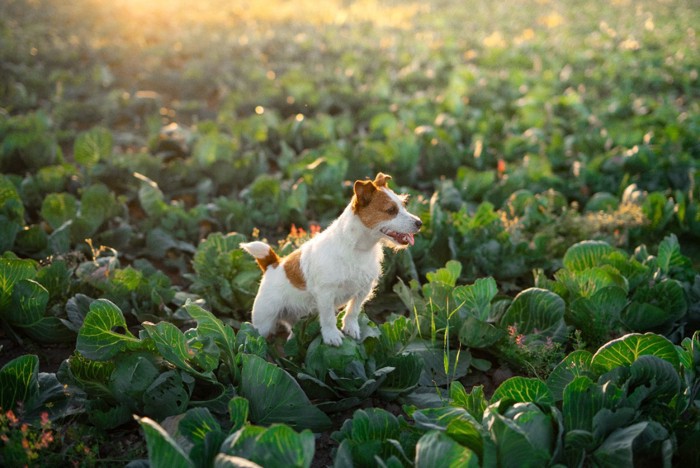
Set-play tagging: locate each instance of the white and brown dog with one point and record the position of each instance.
(340, 266)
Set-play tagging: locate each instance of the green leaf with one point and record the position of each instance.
(151, 197)
(669, 256)
(209, 325)
(658, 209)
(12, 271)
(525, 438)
(281, 446)
(374, 424)
(618, 448)
(435, 448)
(90, 376)
(238, 409)
(56, 278)
(322, 358)
(29, 300)
(576, 364)
(8, 235)
(440, 367)
(230, 461)
(475, 333)
(404, 378)
(476, 298)
(275, 396)
(471, 434)
(475, 402)
(104, 333)
(196, 423)
(92, 146)
(166, 396)
(582, 401)
(537, 311)
(447, 275)
(163, 450)
(586, 254)
(106, 417)
(11, 205)
(656, 307)
(644, 317)
(132, 375)
(277, 445)
(77, 309)
(524, 389)
(592, 280)
(604, 307)
(627, 349)
(97, 203)
(172, 345)
(19, 381)
(658, 376)
(28, 309)
(58, 208)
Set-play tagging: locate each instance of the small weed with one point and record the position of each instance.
(23, 443)
(535, 357)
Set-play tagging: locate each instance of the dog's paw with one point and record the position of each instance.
(352, 329)
(332, 336)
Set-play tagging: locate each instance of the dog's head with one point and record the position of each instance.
(384, 212)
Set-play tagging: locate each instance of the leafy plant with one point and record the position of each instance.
(200, 441)
(28, 143)
(164, 371)
(25, 299)
(374, 436)
(224, 274)
(345, 376)
(32, 394)
(608, 292)
(138, 289)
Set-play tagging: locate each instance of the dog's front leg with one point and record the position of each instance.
(351, 327)
(326, 314)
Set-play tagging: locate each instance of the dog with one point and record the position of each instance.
(338, 267)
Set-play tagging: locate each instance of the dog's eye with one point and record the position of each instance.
(393, 210)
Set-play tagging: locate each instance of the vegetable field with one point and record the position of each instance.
(547, 315)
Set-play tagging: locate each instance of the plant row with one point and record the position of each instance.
(243, 384)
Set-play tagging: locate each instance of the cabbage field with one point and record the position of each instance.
(547, 315)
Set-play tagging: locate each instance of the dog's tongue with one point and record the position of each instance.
(408, 238)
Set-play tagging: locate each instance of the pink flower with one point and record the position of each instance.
(11, 417)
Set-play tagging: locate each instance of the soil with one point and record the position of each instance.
(51, 355)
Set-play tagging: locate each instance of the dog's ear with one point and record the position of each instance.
(364, 189)
(381, 179)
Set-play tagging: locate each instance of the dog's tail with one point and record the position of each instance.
(262, 253)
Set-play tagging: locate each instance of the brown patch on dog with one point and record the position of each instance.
(377, 207)
(364, 190)
(272, 259)
(292, 268)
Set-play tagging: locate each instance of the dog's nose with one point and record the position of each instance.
(419, 223)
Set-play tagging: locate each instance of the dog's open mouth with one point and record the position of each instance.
(403, 238)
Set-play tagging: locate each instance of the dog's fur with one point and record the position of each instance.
(340, 266)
